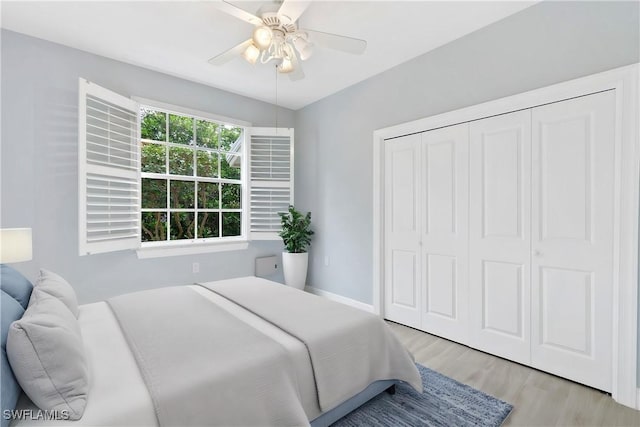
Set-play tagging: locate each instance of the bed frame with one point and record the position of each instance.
(355, 402)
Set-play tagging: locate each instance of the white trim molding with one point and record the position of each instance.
(339, 298)
(190, 112)
(624, 81)
(190, 249)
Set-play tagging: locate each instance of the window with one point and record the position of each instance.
(158, 176)
(191, 175)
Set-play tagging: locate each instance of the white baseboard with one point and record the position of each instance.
(339, 298)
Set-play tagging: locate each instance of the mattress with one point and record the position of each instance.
(118, 394)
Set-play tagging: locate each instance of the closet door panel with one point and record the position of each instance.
(501, 177)
(440, 280)
(502, 296)
(439, 175)
(403, 268)
(444, 232)
(499, 235)
(572, 238)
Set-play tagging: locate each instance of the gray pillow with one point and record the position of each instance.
(56, 286)
(46, 353)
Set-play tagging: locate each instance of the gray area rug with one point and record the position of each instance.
(444, 402)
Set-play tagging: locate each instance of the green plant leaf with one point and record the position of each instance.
(296, 230)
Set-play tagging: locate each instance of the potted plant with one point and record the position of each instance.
(296, 234)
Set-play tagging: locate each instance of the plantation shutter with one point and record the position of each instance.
(108, 171)
(270, 180)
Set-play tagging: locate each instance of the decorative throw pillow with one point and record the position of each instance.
(15, 291)
(46, 353)
(56, 286)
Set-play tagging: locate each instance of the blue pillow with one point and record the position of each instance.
(15, 284)
(15, 291)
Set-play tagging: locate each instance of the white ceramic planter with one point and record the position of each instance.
(294, 267)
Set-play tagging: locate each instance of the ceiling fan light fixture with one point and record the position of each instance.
(286, 66)
(251, 54)
(276, 38)
(304, 48)
(306, 52)
(262, 37)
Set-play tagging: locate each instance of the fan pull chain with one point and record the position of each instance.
(276, 70)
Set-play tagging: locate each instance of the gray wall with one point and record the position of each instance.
(545, 44)
(39, 164)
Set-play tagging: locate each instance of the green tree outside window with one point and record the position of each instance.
(199, 153)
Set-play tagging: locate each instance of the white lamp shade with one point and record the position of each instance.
(262, 37)
(306, 52)
(286, 66)
(15, 245)
(251, 54)
(304, 48)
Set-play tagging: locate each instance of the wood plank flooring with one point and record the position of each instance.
(539, 399)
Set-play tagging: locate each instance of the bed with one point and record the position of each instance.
(140, 374)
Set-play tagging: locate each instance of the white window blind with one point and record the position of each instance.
(271, 179)
(108, 171)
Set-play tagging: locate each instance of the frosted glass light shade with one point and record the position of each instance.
(262, 37)
(304, 48)
(15, 245)
(251, 54)
(286, 66)
(306, 52)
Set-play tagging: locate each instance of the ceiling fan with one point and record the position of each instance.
(276, 37)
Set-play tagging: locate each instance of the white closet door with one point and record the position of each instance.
(445, 204)
(572, 238)
(499, 235)
(402, 230)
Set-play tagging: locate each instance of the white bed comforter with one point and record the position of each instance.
(203, 366)
(349, 348)
(119, 396)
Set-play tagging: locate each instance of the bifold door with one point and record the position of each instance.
(445, 202)
(500, 244)
(572, 238)
(426, 215)
(402, 230)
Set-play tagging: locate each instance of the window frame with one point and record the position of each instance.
(111, 171)
(196, 245)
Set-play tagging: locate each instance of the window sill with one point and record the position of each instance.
(191, 249)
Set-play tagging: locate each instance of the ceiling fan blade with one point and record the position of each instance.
(293, 8)
(337, 42)
(237, 12)
(230, 54)
(297, 73)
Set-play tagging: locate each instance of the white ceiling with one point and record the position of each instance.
(178, 38)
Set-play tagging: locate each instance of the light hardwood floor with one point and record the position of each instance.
(538, 399)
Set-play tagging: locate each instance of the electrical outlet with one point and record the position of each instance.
(326, 260)
(196, 267)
